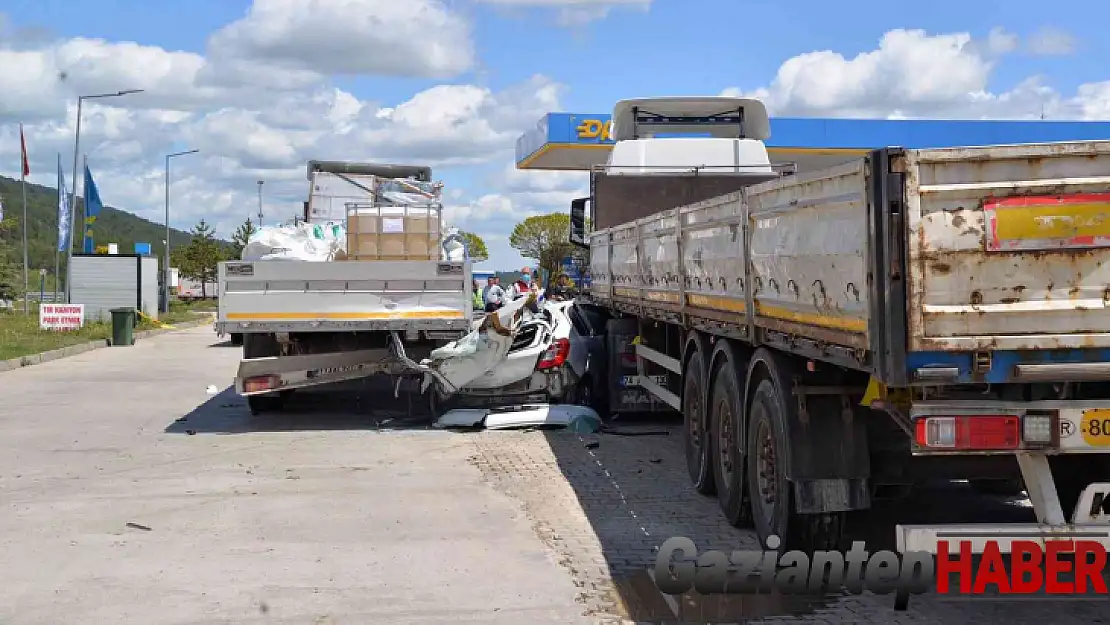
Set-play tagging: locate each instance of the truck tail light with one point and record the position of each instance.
(978, 432)
(555, 355)
(261, 383)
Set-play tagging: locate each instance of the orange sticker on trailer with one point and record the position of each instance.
(1047, 222)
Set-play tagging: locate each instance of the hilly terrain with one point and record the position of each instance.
(112, 226)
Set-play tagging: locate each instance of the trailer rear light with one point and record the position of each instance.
(1038, 429)
(555, 355)
(261, 383)
(978, 432)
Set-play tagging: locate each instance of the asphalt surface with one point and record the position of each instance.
(132, 492)
(248, 520)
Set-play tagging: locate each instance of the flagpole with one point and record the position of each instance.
(85, 212)
(57, 252)
(23, 188)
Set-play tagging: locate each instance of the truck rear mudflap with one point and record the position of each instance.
(1033, 432)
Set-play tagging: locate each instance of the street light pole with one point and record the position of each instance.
(260, 203)
(73, 196)
(166, 267)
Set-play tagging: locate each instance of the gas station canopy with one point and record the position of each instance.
(579, 141)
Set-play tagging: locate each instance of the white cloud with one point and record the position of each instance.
(1051, 41)
(1001, 42)
(385, 37)
(575, 12)
(915, 74)
(260, 104)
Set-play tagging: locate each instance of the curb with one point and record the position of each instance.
(80, 348)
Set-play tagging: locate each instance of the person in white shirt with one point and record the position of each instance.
(495, 296)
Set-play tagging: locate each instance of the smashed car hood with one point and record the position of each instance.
(461, 362)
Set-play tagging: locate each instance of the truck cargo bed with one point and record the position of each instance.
(984, 264)
(293, 296)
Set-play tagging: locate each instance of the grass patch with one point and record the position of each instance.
(20, 334)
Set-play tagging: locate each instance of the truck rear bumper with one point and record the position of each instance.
(260, 376)
(926, 537)
(1086, 523)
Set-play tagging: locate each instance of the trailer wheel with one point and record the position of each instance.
(260, 346)
(772, 497)
(695, 434)
(236, 339)
(728, 462)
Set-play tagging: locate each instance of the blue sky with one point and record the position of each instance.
(635, 48)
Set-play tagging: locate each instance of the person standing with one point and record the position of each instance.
(495, 297)
(524, 285)
(479, 301)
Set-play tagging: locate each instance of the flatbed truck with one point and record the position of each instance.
(313, 323)
(836, 336)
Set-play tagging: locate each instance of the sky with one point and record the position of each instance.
(260, 87)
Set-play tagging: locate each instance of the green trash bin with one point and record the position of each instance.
(123, 326)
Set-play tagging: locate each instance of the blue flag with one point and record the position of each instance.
(92, 209)
(64, 214)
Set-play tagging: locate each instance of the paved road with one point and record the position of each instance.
(348, 510)
(328, 522)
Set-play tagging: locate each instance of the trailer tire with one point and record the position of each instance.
(727, 460)
(236, 339)
(260, 346)
(772, 497)
(695, 434)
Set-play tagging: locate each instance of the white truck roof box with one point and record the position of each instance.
(718, 116)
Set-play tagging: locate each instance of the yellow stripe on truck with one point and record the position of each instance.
(345, 316)
(1060, 221)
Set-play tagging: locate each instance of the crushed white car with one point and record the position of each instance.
(549, 361)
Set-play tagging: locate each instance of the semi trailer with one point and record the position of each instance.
(839, 335)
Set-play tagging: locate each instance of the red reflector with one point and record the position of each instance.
(975, 432)
(261, 383)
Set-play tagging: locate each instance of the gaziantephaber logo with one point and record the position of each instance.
(1060, 567)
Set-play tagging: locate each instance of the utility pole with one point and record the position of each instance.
(260, 203)
(73, 196)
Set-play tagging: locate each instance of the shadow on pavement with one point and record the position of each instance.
(357, 405)
(635, 493)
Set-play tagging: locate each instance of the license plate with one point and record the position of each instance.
(634, 380)
(1095, 427)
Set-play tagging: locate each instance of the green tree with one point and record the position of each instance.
(11, 276)
(545, 239)
(241, 237)
(200, 258)
(475, 245)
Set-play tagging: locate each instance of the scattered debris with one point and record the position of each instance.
(136, 526)
(462, 418)
(655, 460)
(212, 390)
(593, 445)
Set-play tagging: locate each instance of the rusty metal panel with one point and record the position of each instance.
(1009, 247)
(713, 254)
(809, 252)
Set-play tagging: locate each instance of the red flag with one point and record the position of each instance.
(23, 153)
